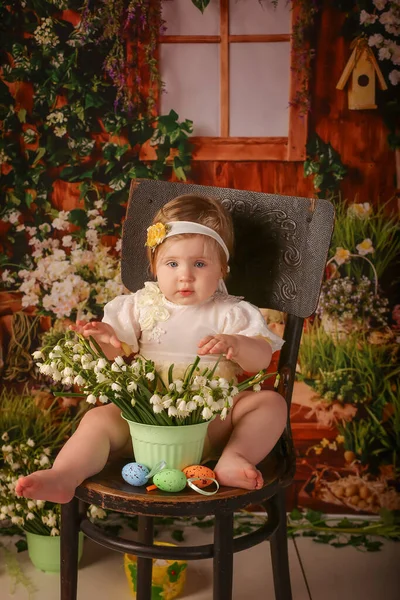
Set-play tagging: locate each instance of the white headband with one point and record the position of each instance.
(177, 227)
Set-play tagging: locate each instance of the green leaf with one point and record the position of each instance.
(177, 535)
(21, 545)
(78, 216)
(315, 517)
(201, 4)
(22, 115)
(296, 515)
(40, 152)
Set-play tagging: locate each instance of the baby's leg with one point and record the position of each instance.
(258, 420)
(101, 431)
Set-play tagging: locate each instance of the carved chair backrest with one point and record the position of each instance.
(280, 251)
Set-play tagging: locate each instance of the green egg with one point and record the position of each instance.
(170, 480)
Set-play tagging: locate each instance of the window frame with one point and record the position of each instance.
(224, 147)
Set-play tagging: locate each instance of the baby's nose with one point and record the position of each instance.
(186, 273)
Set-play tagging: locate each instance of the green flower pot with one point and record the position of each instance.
(44, 551)
(180, 446)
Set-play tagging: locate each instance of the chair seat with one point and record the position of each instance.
(108, 490)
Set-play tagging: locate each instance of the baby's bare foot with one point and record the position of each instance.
(46, 485)
(236, 471)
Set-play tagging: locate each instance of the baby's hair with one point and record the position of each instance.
(199, 209)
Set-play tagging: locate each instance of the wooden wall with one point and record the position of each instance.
(358, 136)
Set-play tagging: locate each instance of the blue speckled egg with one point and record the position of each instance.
(170, 480)
(135, 474)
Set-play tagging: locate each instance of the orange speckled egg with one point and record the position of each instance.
(199, 471)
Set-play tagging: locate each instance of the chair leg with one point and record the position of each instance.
(69, 549)
(279, 553)
(144, 565)
(223, 557)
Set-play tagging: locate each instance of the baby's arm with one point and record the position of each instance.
(104, 335)
(251, 353)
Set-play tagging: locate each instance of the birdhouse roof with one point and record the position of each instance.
(360, 48)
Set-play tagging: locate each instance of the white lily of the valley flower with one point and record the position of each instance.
(91, 399)
(155, 399)
(206, 413)
(132, 387)
(257, 387)
(150, 376)
(103, 399)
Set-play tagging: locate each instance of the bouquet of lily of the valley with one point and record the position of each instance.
(137, 388)
(36, 516)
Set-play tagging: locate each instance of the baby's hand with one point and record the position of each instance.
(101, 332)
(219, 344)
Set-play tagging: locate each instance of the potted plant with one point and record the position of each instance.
(30, 438)
(168, 420)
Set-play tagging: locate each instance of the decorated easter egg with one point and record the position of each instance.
(135, 474)
(170, 480)
(204, 473)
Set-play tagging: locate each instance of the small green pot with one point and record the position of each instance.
(180, 446)
(44, 551)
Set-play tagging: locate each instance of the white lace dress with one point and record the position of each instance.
(169, 333)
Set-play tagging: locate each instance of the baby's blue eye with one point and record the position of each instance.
(199, 264)
(172, 263)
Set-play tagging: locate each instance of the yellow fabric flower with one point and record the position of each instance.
(341, 256)
(365, 247)
(156, 235)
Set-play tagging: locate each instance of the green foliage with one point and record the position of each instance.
(22, 419)
(69, 131)
(324, 165)
(356, 533)
(378, 226)
(353, 371)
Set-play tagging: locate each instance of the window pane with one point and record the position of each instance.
(183, 18)
(251, 16)
(259, 89)
(191, 76)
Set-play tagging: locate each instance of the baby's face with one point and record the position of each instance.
(188, 269)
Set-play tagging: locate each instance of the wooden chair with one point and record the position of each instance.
(281, 246)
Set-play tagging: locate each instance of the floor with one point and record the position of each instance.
(318, 572)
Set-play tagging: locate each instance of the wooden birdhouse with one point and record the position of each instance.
(362, 69)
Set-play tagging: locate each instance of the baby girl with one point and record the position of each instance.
(186, 312)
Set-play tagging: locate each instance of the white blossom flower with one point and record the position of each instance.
(91, 399)
(103, 398)
(359, 210)
(95, 512)
(365, 247)
(150, 376)
(366, 18)
(206, 413)
(394, 77)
